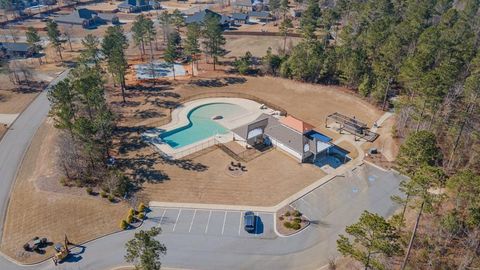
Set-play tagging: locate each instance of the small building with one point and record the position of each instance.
(130, 6)
(242, 5)
(259, 16)
(239, 18)
(17, 49)
(87, 18)
(290, 134)
(199, 17)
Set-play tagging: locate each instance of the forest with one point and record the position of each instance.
(421, 59)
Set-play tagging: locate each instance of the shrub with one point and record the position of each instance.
(89, 190)
(297, 220)
(296, 226)
(130, 219)
(297, 213)
(111, 198)
(281, 218)
(141, 216)
(123, 225)
(131, 212)
(103, 194)
(64, 181)
(141, 208)
(105, 189)
(287, 214)
(287, 224)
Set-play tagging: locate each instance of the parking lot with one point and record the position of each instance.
(211, 222)
(364, 186)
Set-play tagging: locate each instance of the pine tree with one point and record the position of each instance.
(192, 43)
(213, 38)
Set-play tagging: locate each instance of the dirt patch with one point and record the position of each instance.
(34, 212)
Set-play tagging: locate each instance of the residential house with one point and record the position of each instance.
(259, 16)
(16, 49)
(130, 6)
(199, 17)
(87, 18)
(239, 18)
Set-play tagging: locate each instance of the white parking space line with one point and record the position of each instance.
(161, 219)
(240, 223)
(193, 218)
(175, 225)
(224, 219)
(208, 221)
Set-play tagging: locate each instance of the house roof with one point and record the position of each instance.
(276, 130)
(259, 14)
(15, 47)
(200, 16)
(80, 15)
(296, 124)
(239, 16)
(243, 3)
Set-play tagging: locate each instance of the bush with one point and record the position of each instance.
(111, 198)
(89, 190)
(297, 213)
(296, 226)
(64, 181)
(131, 212)
(141, 216)
(281, 218)
(287, 214)
(103, 194)
(105, 189)
(123, 225)
(130, 219)
(141, 208)
(297, 220)
(287, 224)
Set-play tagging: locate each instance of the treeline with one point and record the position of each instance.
(420, 57)
(80, 110)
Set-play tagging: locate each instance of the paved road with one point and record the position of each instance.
(16, 141)
(193, 245)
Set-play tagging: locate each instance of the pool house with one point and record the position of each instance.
(294, 136)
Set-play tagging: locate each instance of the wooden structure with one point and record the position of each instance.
(352, 126)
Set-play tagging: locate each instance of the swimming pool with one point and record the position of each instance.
(201, 125)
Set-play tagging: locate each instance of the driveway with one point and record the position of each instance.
(204, 239)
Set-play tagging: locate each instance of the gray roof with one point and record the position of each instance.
(259, 14)
(200, 16)
(276, 130)
(239, 16)
(243, 3)
(15, 47)
(80, 15)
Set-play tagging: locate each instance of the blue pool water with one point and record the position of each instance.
(201, 126)
(335, 158)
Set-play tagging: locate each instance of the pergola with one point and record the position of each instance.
(352, 126)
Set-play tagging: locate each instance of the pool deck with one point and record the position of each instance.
(180, 119)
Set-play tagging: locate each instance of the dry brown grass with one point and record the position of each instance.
(274, 173)
(36, 212)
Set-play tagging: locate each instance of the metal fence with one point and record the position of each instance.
(194, 149)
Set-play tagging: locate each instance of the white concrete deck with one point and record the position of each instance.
(180, 118)
(8, 118)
